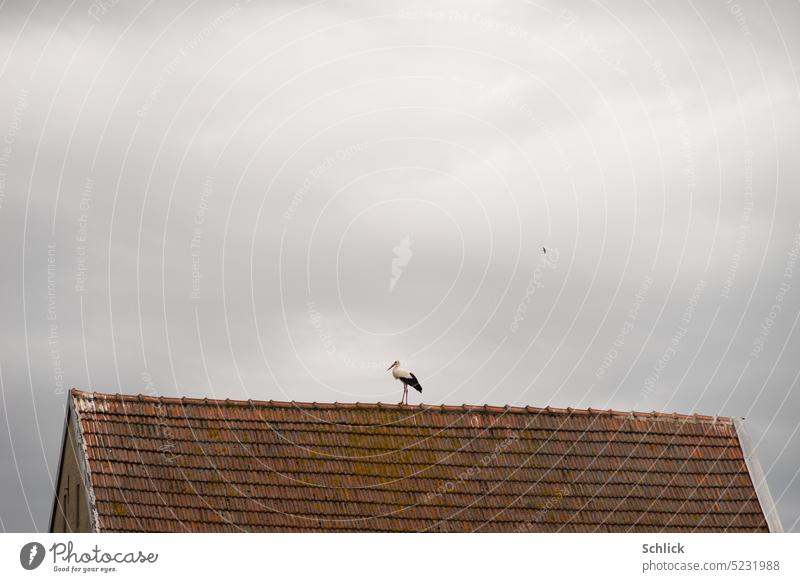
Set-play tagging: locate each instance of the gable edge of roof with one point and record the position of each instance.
(57, 481)
(758, 478)
(83, 465)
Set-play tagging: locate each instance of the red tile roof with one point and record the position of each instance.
(181, 464)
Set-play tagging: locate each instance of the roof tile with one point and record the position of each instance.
(188, 464)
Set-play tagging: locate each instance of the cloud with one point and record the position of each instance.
(234, 180)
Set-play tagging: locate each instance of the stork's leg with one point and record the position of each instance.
(405, 393)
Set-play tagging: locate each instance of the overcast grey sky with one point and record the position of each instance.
(276, 200)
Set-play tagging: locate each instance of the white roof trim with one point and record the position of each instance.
(758, 478)
(83, 463)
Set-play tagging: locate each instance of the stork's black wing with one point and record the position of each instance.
(413, 382)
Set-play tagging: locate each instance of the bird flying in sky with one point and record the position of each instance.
(407, 378)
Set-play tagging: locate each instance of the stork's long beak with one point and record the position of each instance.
(390, 367)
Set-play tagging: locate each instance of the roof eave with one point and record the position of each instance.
(758, 477)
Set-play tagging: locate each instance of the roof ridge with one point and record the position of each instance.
(474, 408)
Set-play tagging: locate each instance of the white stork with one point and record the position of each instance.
(406, 377)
